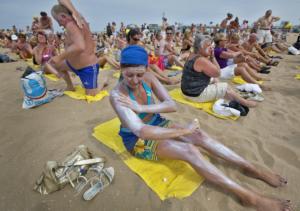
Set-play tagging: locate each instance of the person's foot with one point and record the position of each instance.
(269, 177)
(270, 204)
(250, 103)
(70, 88)
(263, 79)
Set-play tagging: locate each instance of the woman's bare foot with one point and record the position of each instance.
(265, 88)
(269, 204)
(271, 178)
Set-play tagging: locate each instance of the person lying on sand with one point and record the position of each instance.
(147, 135)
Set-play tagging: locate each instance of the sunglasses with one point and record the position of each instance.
(169, 33)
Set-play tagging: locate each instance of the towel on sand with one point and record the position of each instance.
(79, 94)
(177, 95)
(167, 178)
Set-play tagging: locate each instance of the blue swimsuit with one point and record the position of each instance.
(88, 75)
(128, 137)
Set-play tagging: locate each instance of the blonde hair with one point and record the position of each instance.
(56, 9)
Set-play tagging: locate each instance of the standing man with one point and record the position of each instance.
(45, 23)
(79, 55)
(264, 25)
(223, 25)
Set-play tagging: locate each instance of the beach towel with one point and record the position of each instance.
(79, 94)
(167, 178)
(174, 67)
(116, 75)
(239, 80)
(177, 95)
(51, 77)
(106, 67)
(297, 76)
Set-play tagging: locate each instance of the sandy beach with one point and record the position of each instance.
(269, 136)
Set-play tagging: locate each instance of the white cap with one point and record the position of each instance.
(14, 37)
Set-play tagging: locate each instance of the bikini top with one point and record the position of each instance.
(149, 97)
(46, 55)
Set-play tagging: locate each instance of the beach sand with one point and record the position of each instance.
(269, 136)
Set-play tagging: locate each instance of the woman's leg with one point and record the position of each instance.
(172, 149)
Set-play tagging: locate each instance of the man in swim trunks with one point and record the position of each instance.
(79, 55)
(147, 135)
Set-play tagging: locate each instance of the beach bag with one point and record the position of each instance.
(35, 89)
(57, 174)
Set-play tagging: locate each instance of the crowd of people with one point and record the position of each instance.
(208, 57)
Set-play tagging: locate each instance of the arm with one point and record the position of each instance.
(229, 55)
(258, 48)
(210, 68)
(166, 104)
(75, 14)
(130, 120)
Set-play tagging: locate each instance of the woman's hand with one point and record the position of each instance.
(127, 102)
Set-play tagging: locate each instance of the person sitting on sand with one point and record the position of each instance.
(22, 47)
(168, 51)
(35, 25)
(226, 60)
(250, 57)
(43, 52)
(251, 45)
(133, 38)
(79, 55)
(199, 73)
(149, 136)
(187, 44)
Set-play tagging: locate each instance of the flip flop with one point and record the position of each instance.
(82, 181)
(102, 182)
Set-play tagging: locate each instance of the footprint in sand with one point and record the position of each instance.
(285, 154)
(266, 157)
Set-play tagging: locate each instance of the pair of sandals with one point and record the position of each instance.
(252, 96)
(97, 177)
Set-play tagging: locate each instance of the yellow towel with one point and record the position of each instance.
(177, 95)
(106, 67)
(167, 178)
(297, 76)
(52, 77)
(174, 67)
(79, 94)
(298, 67)
(116, 75)
(239, 80)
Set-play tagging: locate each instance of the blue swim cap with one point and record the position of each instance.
(134, 54)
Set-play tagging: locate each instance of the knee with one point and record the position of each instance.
(191, 151)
